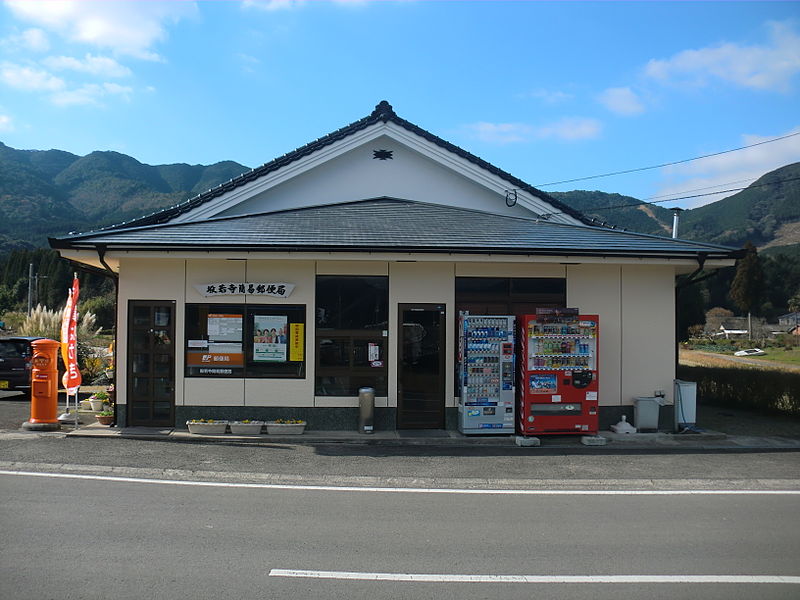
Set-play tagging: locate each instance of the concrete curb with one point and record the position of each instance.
(477, 483)
(653, 442)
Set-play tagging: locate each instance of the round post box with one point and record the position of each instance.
(44, 386)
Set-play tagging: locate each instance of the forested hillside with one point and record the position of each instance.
(51, 192)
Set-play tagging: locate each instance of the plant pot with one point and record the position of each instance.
(215, 428)
(85, 405)
(97, 405)
(104, 419)
(251, 428)
(274, 428)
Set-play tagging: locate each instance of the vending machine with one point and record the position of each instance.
(486, 374)
(558, 372)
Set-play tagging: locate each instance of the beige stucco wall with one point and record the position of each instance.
(635, 304)
(415, 282)
(207, 391)
(150, 279)
(595, 289)
(285, 392)
(648, 331)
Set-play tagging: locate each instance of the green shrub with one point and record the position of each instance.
(763, 390)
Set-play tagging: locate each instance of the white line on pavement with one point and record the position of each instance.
(445, 578)
(402, 490)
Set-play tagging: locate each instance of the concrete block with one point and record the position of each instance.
(527, 442)
(593, 440)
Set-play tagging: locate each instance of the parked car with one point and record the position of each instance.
(750, 352)
(15, 363)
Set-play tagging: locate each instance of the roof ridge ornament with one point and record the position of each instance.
(384, 111)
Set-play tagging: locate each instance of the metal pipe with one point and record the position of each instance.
(676, 217)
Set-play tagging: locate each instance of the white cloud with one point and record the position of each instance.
(769, 67)
(622, 101)
(29, 79)
(101, 66)
(501, 133)
(125, 27)
(33, 39)
(570, 129)
(548, 96)
(249, 63)
(567, 129)
(728, 171)
(90, 94)
(273, 5)
(5, 123)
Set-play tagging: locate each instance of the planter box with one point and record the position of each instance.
(97, 405)
(251, 428)
(104, 420)
(215, 428)
(285, 428)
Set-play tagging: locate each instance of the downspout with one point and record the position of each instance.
(101, 253)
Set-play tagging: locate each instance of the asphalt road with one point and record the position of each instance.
(78, 538)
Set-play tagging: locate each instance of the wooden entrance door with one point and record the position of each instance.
(151, 363)
(421, 369)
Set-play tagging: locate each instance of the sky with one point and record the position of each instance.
(548, 91)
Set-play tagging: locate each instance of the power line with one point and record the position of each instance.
(708, 187)
(600, 208)
(677, 162)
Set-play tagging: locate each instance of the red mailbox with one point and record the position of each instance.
(44, 386)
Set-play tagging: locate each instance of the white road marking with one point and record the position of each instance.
(402, 490)
(445, 578)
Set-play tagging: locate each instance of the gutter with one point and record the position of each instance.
(101, 256)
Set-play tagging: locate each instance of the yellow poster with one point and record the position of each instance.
(296, 341)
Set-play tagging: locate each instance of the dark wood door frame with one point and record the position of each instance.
(434, 395)
(150, 370)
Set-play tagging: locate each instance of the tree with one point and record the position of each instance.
(794, 302)
(748, 283)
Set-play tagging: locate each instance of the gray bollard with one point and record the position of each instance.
(366, 409)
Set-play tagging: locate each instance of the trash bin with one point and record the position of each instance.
(645, 413)
(366, 409)
(685, 404)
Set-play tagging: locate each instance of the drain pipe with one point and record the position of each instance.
(101, 253)
(676, 217)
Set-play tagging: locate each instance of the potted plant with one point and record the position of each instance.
(105, 417)
(246, 427)
(97, 400)
(207, 426)
(286, 427)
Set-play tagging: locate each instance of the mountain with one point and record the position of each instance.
(52, 192)
(767, 213)
(622, 211)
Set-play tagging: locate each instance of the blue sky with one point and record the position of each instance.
(546, 91)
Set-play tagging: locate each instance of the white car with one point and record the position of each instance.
(750, 352)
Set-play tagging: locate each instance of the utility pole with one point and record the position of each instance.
(30, 289)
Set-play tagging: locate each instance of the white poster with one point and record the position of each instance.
(269, 338)
(225, 328)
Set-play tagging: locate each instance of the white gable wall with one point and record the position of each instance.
(347, 171)
(356, 175)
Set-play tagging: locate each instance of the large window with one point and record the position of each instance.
(238, 340)
(352, 316)
(509, 295)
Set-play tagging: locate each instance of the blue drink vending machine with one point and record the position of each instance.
(486, 374)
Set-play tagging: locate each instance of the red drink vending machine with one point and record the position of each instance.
(558, 372)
